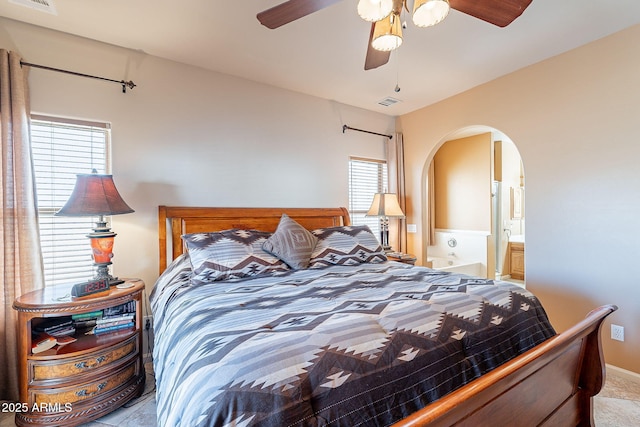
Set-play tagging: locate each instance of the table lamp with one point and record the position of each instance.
(385, 205)
(96, 195)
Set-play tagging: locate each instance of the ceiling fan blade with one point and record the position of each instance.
(290, 11)
(375, 58)
(496, 12)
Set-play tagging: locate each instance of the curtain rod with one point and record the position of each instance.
(345, 127)
(130, 84)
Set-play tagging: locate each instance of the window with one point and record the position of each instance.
(61, 149)
(366, 177)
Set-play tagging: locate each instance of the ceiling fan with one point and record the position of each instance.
(386, 28)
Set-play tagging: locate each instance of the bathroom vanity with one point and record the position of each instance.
(516, 259)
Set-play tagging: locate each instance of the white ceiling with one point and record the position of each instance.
(323, 54)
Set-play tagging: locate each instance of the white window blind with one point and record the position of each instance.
(366, 177)
(61, 149)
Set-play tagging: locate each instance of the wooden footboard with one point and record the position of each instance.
(553, 384)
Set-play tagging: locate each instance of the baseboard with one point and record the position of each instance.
(634, 376)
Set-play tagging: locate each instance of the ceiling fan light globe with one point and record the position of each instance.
(374, 10)
(387, 33)
(427, 13)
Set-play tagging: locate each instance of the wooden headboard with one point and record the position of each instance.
(174, 221)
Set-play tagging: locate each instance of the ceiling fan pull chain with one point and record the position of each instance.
(397, 59)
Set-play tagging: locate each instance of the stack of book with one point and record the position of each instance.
(116, 318)
(113, 323)
(56, 327)
(86, 321)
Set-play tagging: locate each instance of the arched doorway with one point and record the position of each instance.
(474, 203)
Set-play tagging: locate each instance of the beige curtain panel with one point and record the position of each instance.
(395, 165)
(21, 266)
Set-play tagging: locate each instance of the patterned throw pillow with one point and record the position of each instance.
(346, 245)
(231, 255)
(292, 243)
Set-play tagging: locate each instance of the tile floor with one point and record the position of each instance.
(617, 405)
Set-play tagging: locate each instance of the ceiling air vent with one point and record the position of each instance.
(41, 5)
(388, 101)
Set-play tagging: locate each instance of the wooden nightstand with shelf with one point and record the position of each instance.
(78, 382)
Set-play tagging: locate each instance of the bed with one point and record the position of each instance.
(350, 338)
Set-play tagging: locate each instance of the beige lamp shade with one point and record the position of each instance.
(387, 33)
(374, 10)
(429, 12)
(385, 204)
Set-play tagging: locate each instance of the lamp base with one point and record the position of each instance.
(384, 233)
(102, 273)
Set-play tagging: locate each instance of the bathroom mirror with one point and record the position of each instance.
(517, 202)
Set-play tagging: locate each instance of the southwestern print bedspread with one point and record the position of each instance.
(340, 346)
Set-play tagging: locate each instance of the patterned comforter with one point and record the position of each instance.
(339, 346)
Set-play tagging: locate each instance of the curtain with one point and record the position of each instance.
(21, 266)
(395, 165)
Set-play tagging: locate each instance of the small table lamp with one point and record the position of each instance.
(385, 205)
(96, 195)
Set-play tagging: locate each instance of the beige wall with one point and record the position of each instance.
(186, 136)
(574, 119)
(462, 178)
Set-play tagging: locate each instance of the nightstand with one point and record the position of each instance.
(400, 257)
(78, 382)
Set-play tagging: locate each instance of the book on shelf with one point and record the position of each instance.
(56, 327)
(87, 320)
(64, 340)
(62, 332)
(103, 330)
(127, 307)
(41, 341)
(90, 315)
(114, 323)
(85, 324)
(117, 318)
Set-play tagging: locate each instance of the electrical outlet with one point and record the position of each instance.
(412, 228)
(617, 332)
(147, 338)
(148, 322)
